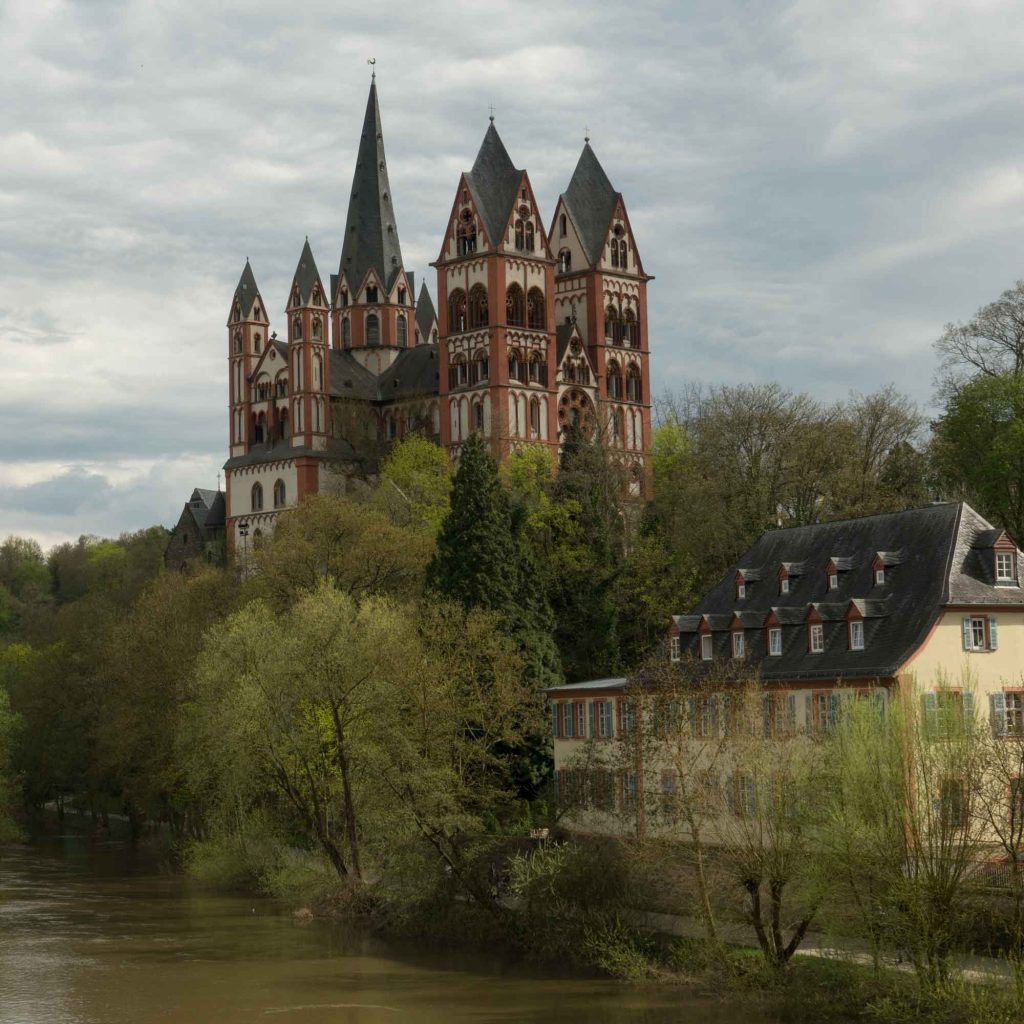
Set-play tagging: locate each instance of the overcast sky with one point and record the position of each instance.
(817, 187)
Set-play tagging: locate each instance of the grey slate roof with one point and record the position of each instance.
(246, 293)
(306, 276)
(371, 231)
(939, 563)
(591, 200)
(494, 184)
(426, 315)
(283, 450)
(207, 508)
(413, 373)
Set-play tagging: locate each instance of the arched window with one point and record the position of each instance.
(238, 342)
(618, 425)
(343, 298)
(614, 379)
(256, 344)
(284, 424)
(279, 494)
(561, 226)
(612, 326)
(281, 386)
(346, 333)
(457, 311)
(615, 253)
(535, 309)
(515, 306)
(515, 366)
(529, 236)
(372, 329)
(371, 293)
(630, 333)
(402, 332)
(633, 382)
(318, 372)
(257, 538)
(534, 417)
(538, 369)
(297, 327)
(478, 306)
(481, 367)
(465, 235)
(623, 255)
(458, 372)
(520, 236)
(478, 417)
(317, 329)
(564, 261)
(257, 497)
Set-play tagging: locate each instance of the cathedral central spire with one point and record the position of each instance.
(371, 232)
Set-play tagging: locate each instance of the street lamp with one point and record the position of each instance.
(243, 532)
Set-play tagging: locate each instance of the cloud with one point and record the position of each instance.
(817, 187)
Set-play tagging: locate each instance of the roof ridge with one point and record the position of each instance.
(494, 183)
(591, 199)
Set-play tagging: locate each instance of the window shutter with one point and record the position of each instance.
(930, 711)
(997, 713)
(590, 705)
(554, 720)
(833, 711)
(808, 714)
(618, 716)
(967, 632)
(993, 633)
(570, 723)
(791, 713)
(878, 699)
(610, 717)
(968, 701)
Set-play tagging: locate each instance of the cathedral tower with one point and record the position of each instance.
(247, 334)
(495, 283)
(373, 303)
(601, 287)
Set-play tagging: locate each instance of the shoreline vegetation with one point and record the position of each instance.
(355, 718)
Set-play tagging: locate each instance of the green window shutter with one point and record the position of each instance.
(993, 633)
(997, 713)
(967, 632)
(569, 723)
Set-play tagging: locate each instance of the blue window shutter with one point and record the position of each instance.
(554, 720)
(993, 633)
(968, 699)
(930, 711)
(569, 730)
(967, 633)
(590, 706)
(997, 713)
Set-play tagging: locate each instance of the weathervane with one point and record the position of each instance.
(586, 133)
(373, 74)
(491, 109)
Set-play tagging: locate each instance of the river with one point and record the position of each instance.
(93, 933)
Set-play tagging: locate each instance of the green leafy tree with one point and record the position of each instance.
(9, 727)
(415, 484)
(979, 447)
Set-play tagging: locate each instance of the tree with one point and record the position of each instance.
(415, 484)
(991, 344)
(9, 726)
(978, 447)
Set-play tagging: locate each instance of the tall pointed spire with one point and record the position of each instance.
(494, 183)
(371, 233)
(307, 277)
(591, 199)
(246, 294)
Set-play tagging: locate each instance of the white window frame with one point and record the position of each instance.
(857, 635)
(707, 647)
(605, 719)
(784, 585)
(738, 643)
(1013, 713)
(1001, 558)
(774, 641)
(741, 590)
(879, 577)
(816, 641)
(833, 581)
(674, 648)
(979, 622)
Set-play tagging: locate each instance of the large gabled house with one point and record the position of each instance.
(198, 536)
(929, 598)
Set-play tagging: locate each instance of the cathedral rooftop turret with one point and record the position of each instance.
(371, 232)
(426, 315)
(307, 278)
(494, 184)
(245, 297)
(591, 200)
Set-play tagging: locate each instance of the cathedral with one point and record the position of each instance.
(534, 330)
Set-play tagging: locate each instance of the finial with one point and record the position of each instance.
(586, 134)
(491, 108)
(373, 74)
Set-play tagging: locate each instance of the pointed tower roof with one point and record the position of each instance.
(306, 275)
(494, 183)
(591, 199)
(371, 234)
(246, 293)
(426, 315)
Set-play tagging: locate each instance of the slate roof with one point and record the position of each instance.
(306, 276)
(283, 450)
(563, 335)
(494, 185)
(591, 200)
(207, 508)
(413, 373)
(371, 230)
(246, 293)
(426, 315)
(936, 561)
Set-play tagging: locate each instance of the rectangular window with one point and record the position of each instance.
(879, 577)
(627, 716)
(775, 641)
(668, 793)
(738, 645)
(784, 585)
(1013, 710)
(857, 635)
(978, 635)
(628, 791)
(1016, 804)
(604, 718)
(706, 647)
(673, 645)
(744, 796)
(953, 803)
(567, 721)
(1004, 567)
(833, 581)
(706, 718)
(581, 719)
(817, 638)
(741, 591)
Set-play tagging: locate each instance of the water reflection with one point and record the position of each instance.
(94, 934)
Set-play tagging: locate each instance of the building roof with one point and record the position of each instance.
(939, 563)
(207, 508)
(306, 276)
(371, 230)
(413, 373)
(246, 293)
(612, 683)
(494, 185)
(284, 451)
(426, 315)
(591, 200)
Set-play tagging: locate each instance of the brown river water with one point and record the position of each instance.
(92, 933)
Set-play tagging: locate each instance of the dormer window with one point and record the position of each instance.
(833, 581)
(706, 647)
(775, 641)
(371, 293)
(816, 638)
(784, 585)
(880, 577)
(738, 644)
(857, 635)
(741, 590)
(1005, 569)
(401, 296)
(673, 648)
